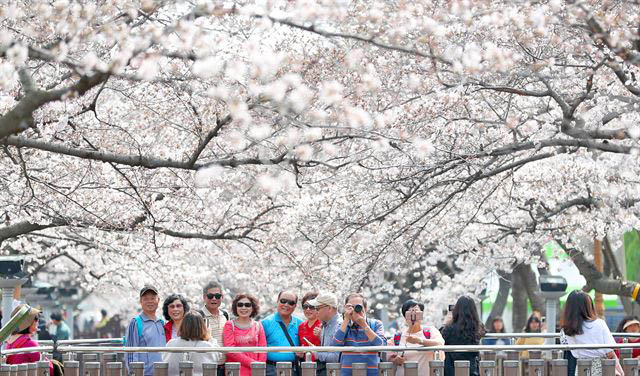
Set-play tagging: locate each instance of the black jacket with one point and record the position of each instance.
(453, 336)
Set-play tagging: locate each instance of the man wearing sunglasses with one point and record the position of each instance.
(214, 316)
(281, 329)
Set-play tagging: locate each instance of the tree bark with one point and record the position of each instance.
(530, 283)
(519, 296)
(501, 300)
(597, 260)
(598, 281)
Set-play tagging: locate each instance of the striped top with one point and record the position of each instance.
(215, 324)
(355, 336)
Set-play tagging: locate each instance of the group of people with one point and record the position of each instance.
(209, 326)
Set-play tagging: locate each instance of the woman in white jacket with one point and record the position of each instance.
(193, 333)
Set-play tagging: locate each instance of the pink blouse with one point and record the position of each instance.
(22, 342)
(249, 337)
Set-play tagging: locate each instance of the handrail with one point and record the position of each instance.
(547, 335)
(457, 348)
(81, 341)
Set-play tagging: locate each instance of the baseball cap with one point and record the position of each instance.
(148, 288)
(629, 323)
(324, 298)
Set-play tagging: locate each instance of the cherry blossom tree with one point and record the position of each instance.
(315, 143)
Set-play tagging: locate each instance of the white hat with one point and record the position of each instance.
(324, 298)
(629, 323)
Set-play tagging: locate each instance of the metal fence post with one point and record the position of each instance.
(535, 354)
(71, 368)
(359, 369)
(233, 369)
(333, 369)
(84, 359)
(5, 369)
(282, 369)
(608, 367)
(22, 369)
(511, 367)
(137, 368)
(461, 367)
(487, 368)
(583, 367)
(513, 354)
(257, 369)
(537, 367)
(386, 369)
(559, 367)
(210, 369)
(32, 369)
(185, 368)
(91, 368)
(113, 368)
(309, 368)
(629, 366)
(161, 369)
(436, 368)
(13, 370)
(105, 359)
(410, 368)
(42, 368)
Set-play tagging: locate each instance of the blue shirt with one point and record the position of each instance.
(355, 336)
(152, 336)
(276, 337)
(326, 339)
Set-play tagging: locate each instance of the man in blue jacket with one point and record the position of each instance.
(146, 330)
(281, 329)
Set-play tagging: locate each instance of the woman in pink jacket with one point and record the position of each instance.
(244, 331)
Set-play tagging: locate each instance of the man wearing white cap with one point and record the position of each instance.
(326, 304)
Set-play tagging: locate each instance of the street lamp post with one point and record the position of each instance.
(11, 276)
(552, 288)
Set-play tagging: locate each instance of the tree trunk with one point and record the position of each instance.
(531, 286)
(501, 300)
(597, 260)
(519, 296)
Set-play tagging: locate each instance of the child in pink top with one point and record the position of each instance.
(244, 331)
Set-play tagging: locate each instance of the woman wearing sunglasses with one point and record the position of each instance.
(244, 331)
(307, 330)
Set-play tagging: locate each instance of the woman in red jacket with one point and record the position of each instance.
(629, 324)
(174, 308)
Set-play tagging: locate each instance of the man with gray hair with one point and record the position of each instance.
(326, 305)
(214, 316)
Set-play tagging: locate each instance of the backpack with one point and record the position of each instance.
(140, 326)
(398, 336)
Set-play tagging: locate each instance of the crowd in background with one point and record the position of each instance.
(327, 322)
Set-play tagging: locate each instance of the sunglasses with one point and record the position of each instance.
(308, 306)
(247, 305)
(289, 302)
(211, 296)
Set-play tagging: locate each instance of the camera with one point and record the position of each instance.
(358, 308)
(451, 307)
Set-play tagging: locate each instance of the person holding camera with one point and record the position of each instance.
(416, 335)
(358, 330)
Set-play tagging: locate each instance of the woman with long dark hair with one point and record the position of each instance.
(193, 333)
(464, 328)
(534, 325)
(581, 326)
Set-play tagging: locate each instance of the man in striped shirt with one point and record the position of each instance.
(214, 316)
(358, 330)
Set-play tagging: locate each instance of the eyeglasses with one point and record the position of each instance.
(211, 296)
(321, 306)
(247, 305)
(289, 302)
(308, 306)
